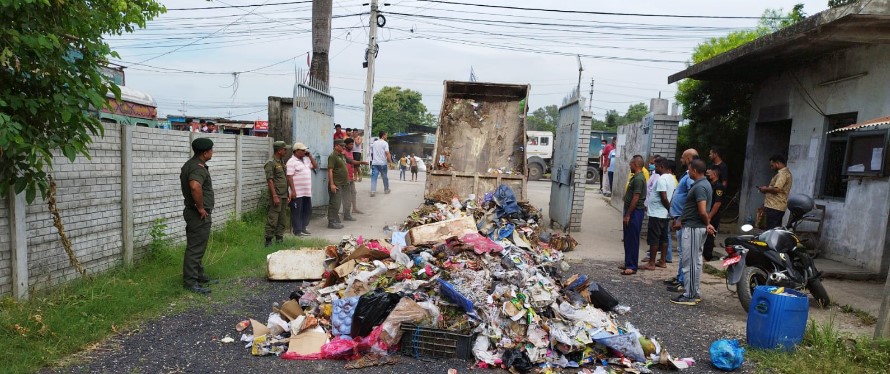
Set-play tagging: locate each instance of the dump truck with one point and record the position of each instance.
(480, 140)
(540, 153)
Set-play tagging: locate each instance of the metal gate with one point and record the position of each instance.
(314, 126)
(568, 166)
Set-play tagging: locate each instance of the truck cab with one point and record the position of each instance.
(539, 152)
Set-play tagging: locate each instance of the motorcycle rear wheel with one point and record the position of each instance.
(751, 277)
(818, 290)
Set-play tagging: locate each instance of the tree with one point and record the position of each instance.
(319, 71)
(395, 108)
(50, 83)
(635, 113)
(718, 112)
(543, 119)
(613, 119)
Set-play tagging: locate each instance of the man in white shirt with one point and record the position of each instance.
(299, 180)
(380, 157)
(658, 203)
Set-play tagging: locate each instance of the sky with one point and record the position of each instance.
(227, 60)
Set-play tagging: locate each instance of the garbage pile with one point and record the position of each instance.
(475, 279)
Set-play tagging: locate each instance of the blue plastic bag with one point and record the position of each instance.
(506, 201)
(727, 355)
(447, 290)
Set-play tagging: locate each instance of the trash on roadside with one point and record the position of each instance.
(227, 339)
(293, 264)
(727, 355)
(462, 277)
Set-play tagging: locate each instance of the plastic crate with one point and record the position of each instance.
(423, 342)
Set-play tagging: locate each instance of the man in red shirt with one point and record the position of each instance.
(339, 133)
(351, 164)
(604, 161)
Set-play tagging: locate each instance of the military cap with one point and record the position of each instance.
(279, 144)
(202, 144)
(339, 142)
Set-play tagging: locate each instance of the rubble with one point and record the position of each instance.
(480, 275)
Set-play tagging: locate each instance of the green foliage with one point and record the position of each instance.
(718, 112)
(52, 325)
(543, 119)
(825, 350)
(158, 234)
(395, 108)
(613, 119)
(50, 54)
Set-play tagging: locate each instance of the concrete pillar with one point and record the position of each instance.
(238, 175)
(18, 243)
(127, 194)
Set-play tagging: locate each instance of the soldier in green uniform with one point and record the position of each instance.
(338, 178)
(276, 180)
(197, 190)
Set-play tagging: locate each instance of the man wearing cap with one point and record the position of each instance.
(299, 178)
(338, 178)
(197, 190)
(276, 180)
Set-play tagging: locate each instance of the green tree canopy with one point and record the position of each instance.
(718, 112)
(50, 84)
(613, 119)
(395, 108)
(543, 119)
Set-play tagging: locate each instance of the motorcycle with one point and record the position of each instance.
(774, 257)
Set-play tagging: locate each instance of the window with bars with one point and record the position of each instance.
(834, 184)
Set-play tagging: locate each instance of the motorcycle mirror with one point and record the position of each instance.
(747, 227)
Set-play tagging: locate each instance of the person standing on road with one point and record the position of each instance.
(299, 179)
(353, 167)
(357, 153)
(775, 197)
(380, 157)
(338, 132)
(612, 154)
(714, 213)
(276, 181)
(634, 202)
(658, 203)
(604, 165)
(696, 224)
(338, 177)
(197, 192)
(676, 284)
(403, 166)
(412, 161)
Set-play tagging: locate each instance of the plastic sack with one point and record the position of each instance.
(341, 316)
(406, 310)
(401, 258)
(339, 349)
(517, 360)
(447, 290)
(506, 201)
(297, 356)
(727, 355)
(480, 243)
(601, 298)
(372, 310)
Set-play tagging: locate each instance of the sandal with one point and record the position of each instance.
(647, 267)
(628, 272)
(622, 268)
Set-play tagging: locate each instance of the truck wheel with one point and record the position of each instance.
(535, 172)
(592, 176)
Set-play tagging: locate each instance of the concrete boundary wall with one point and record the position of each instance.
(110, 202)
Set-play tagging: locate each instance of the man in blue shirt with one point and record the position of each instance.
(676, 284)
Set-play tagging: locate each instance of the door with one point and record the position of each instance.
(314, 126)
(564, 164)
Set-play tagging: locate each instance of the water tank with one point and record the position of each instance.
(777, 320)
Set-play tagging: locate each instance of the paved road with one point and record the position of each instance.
(189, 341)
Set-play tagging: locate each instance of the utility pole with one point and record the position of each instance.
(370, 56)
(590, 100)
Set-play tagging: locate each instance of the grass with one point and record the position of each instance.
(825, 350)
(719, 273)
(864, 317)
(55, 324)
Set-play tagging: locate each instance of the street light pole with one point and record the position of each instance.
(370, 56)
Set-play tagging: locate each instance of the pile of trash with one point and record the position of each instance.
(476, 279)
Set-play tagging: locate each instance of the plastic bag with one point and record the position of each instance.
(447, 290)
(480, 243)
(401, 258)
(372, 309)
(405, 311)
(297, 356)
(601, 298)
(339, 349)
(506, 201)
(517, 360)
(341, 316)
(727, 355)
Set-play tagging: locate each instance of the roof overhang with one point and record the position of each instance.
(863, 125)
(861, 23)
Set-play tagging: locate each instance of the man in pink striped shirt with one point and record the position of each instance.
(299, 179)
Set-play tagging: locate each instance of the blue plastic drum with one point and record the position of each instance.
(777, 320)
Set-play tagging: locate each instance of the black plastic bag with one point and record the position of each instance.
(518, 360)
(372, 310)
(601, 298)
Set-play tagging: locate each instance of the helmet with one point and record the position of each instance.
(800, 204)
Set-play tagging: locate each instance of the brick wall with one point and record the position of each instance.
(89, 199)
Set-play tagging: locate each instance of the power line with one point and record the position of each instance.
(594, 12)
(241, 6)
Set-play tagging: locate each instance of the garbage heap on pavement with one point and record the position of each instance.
(477, 278)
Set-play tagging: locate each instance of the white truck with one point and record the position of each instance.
(539, 152)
